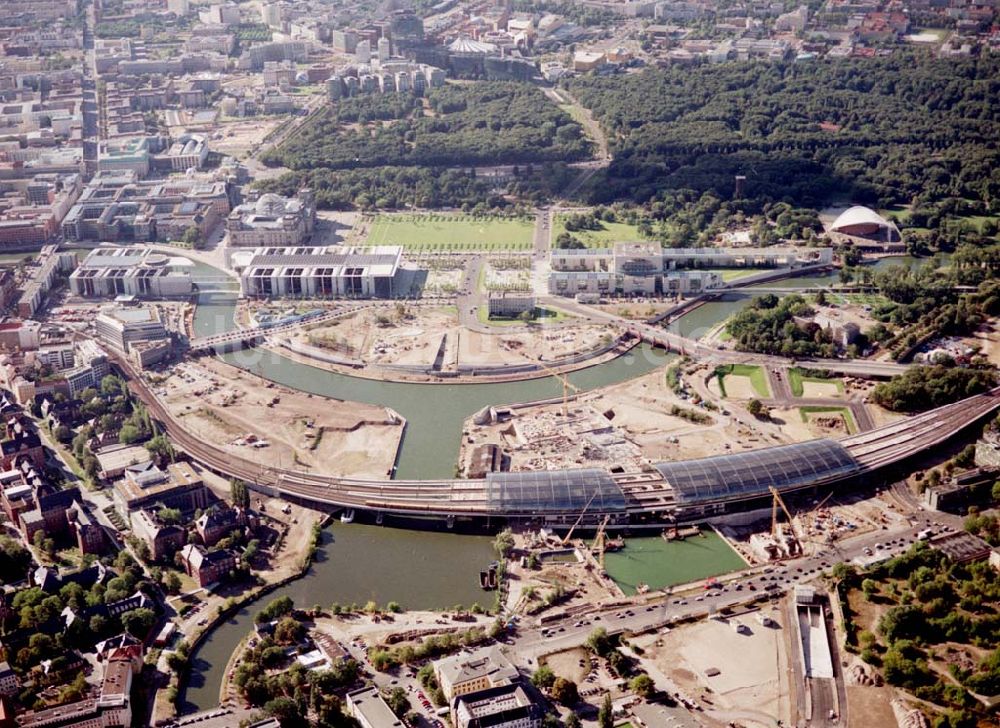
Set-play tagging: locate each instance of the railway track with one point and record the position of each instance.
(646, 492)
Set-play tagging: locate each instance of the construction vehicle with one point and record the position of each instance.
(792, 540)
(600, 541)
(569, 533)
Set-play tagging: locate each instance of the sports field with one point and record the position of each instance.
(797, 379)
(445, 233)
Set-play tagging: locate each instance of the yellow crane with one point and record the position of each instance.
(566, 385)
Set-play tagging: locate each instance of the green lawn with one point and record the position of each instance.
(613, 232)
(901, 215)
(796, 378)
(733, 274)
(758, 378)
(451, 232)
(542, 316)
(844, 412)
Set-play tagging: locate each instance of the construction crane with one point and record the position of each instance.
(566, 384)
(600, 539)
(569, 533)
(777, 501)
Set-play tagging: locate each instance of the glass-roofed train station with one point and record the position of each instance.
(749, 475)
(687, 488)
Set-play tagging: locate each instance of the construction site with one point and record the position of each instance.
(413, 341)
(277, 426)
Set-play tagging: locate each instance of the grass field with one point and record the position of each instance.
(429, 233)
(796, 378)
(758, 379)
(733, 274)
(613, 232)
(844, 412)
(542, 316)
(901, 215)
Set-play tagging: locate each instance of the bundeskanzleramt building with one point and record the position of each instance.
(648, 269)
(110, 272)
(334, 272)
(273, 220)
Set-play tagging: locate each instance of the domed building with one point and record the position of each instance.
(273, 220)
(863, 222)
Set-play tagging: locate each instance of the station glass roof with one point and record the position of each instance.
(554, 491)
(750, 474)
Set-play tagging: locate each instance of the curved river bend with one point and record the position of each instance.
(418, 569)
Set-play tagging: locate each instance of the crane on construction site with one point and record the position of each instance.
(600, 540)
(778, 501)
(569, 533)
(566, 385)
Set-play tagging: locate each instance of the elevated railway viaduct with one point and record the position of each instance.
(668, 492)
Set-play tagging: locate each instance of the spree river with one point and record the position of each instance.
(357, 563)
(418, 569)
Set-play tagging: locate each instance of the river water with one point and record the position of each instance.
(419, 569)
(358, 563)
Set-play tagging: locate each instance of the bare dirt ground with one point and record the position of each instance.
(819, 390)
(241, 136)
(869, 706)
(639, 410)
(753, 668)
(413, 335)
(237, 411)
(567, 664)
(792, 424)
(739, 386)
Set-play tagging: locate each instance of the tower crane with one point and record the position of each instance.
(600, 539)
(566, 385)
(774, 516)
(569, 533)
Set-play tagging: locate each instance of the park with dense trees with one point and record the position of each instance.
(455, 126)
(930, 626)
(880, 131)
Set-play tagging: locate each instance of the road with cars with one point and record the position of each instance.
(734, 590)
(728, 592)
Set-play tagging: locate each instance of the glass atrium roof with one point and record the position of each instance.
(750, 474)
(557, 491)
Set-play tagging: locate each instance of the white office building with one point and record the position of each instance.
(322, 272)
(120, 326)
(141, 272)
(649, 269)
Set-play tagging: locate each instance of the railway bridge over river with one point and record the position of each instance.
(668, 492)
